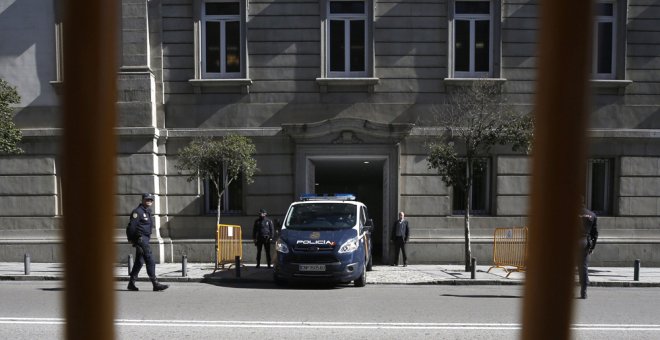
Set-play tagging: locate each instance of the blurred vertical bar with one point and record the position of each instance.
(88, 172)
(560, 144)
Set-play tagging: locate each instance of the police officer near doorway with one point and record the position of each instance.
(140, 226)
(588, 240)
(400, 234)
(262, 233)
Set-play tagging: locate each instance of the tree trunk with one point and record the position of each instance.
(220, 193)
(225, 185)
(468, 203)
(218, 215)
(219, 206)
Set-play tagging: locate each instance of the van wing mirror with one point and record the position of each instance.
(369, 225)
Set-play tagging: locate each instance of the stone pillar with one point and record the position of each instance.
(136, 81)
(137, 100)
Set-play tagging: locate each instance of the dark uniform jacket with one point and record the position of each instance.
(400, 229)
(142, 221)
(590, 232)
(263, 228)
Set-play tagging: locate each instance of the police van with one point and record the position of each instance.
(325, 238)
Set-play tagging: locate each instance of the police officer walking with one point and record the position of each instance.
(400, 234)
(139, 233)
(262, 233)
(587, 244)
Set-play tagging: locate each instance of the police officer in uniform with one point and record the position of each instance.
(262, 233)
(400, 234)
(141, 223)
(588, 240)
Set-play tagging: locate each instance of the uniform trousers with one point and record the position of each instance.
(265, 243)
(143, 255)
(583, 265)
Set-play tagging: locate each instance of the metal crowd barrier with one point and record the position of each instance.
(228, 245)
(510, 249)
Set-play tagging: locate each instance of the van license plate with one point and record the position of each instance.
(312, 268)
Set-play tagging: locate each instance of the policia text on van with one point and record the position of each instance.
(325, 238)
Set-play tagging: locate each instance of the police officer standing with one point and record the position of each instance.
(588, 240)
(139, 230)
(400, 234)
(262, 233)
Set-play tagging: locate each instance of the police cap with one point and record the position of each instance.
(147, 196)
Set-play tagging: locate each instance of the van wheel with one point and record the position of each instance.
(362, 280)
(370, 263)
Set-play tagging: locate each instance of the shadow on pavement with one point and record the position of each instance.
(263, 280)
(484, 296)
(604, 273)
(56, 289)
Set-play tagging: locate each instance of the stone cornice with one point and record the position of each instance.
(624, 133)
(593, 133)
(216, 132)
(120, 131)
(312, 130)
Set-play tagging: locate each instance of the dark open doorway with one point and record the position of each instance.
(364, 179)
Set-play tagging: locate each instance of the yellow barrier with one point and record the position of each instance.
(510, 249)
(228, 245)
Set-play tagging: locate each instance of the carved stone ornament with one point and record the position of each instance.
(347, 137)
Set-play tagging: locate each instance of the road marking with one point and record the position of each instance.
(335, 325)
(32, 321)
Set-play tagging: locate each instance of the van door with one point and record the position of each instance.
(364, 217)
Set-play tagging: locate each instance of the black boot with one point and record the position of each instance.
(158, 286)
(131, 284)
(583, 294)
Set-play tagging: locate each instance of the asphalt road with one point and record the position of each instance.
(31, 310)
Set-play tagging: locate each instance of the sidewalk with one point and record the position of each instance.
(410, 275)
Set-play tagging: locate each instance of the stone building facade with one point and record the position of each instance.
(338, 96)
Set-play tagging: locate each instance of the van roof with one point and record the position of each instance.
(326, 197)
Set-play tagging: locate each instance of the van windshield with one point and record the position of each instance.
(321, 216)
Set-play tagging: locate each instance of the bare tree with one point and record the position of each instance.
(220, 161)
(476, 119)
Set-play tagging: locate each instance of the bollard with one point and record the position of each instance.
(637, 265)
(130, 264)
(238, 266)
(184, 266)
(473, 268)
(26, 260)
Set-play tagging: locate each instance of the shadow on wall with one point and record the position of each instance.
(28, 60)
